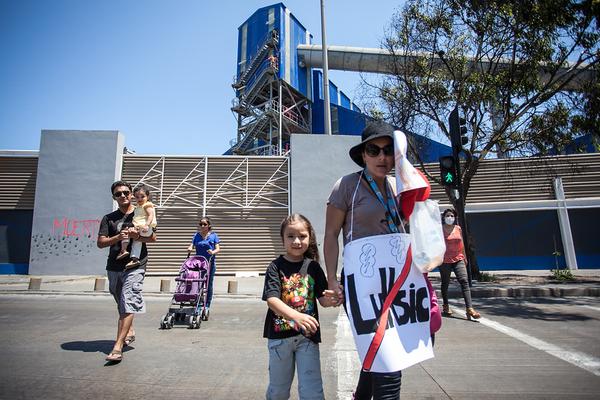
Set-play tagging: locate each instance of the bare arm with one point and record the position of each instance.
(216, 250)
(149, 215)
(303, 321)
(334, 219)
(106, 241)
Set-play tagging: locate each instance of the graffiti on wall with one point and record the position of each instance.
(65, 237)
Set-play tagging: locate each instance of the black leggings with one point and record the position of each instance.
(378, 386)
(460, 271)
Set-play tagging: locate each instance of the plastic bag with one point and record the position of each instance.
(407, 176)
(426, 236)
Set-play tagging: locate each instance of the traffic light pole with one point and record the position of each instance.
(458, 139)
(462, 217)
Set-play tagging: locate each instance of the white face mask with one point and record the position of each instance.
(449, 220)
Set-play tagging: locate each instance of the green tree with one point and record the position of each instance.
(515, 69)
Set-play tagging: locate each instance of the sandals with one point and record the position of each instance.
(446, 312)
(115, 356)
(129, 340)
(471, 313)
(132, 264)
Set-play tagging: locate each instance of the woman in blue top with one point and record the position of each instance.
(206, 243)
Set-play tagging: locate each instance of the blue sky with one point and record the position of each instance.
(158, 71)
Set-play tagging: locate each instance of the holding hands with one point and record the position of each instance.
(337, 291)
(330, 298)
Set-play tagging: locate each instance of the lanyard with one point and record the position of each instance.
(391, 214)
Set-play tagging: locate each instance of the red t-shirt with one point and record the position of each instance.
(455, 249)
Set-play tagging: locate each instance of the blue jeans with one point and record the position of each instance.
(284, 356)
(378, 386)
(211, 278)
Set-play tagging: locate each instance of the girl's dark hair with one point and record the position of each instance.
(447, 210)
(142, 188)
(313, 251)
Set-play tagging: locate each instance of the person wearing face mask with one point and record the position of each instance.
(455, 260)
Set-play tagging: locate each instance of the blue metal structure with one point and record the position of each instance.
(277, 94)
(273, 89)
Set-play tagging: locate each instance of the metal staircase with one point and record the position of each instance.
(268, 108)
(270, 43)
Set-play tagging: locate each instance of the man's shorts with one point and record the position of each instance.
(126, 288)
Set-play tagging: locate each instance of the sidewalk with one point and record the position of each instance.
(507, 284)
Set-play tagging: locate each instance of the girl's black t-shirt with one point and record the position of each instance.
(284, 281)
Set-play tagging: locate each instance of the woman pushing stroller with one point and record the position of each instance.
(206, 243)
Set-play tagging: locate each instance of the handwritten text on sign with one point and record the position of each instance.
(371, 266)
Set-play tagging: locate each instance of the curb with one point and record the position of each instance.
(107, 294)
(453, 293)
(529, 292)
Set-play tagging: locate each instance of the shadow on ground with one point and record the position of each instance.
(526, 309)
(92, 346)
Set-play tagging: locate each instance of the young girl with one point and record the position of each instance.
(292, 284)
(144, 222)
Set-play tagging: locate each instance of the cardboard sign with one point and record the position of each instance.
(371, 266)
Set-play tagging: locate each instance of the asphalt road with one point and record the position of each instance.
(53, 347)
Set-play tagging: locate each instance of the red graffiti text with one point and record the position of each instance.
(75, 227)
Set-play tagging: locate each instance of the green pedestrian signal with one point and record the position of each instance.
(449, 178)
(448, 171)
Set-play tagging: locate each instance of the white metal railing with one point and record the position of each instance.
(189, 188)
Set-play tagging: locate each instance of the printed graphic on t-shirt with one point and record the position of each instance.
(296, 292)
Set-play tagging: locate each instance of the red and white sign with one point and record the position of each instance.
(371, 267)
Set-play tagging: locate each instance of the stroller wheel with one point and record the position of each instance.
(169, 321)
(194, 322)
(164, 322)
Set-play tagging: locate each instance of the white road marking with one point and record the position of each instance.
(581, 360)
(578, 304)
(590, 307)
(348, 363)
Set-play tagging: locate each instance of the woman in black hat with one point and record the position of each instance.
(361, 204)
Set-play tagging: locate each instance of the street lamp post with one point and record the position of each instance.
(326, 103)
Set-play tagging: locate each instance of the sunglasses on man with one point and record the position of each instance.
(373, 150)
(125, 193)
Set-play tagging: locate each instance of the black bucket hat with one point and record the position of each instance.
(373, 130)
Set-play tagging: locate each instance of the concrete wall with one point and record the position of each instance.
(317, 162)
(75, 171)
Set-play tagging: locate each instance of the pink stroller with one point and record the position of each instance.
(188, 305)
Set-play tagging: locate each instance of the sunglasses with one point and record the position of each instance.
(373, 150)
(123, 193)
(203, 224)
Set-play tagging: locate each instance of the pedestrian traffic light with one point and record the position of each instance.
(458, 131)
(448, 171)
